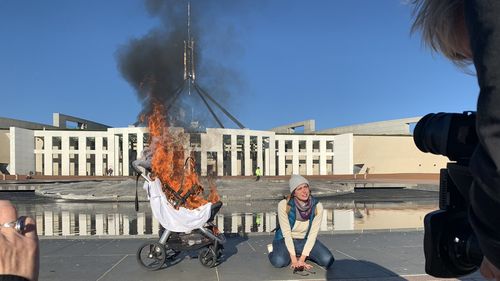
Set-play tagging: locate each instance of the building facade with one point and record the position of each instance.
(221, 152)
(79, 151)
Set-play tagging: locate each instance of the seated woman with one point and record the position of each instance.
(299, 218)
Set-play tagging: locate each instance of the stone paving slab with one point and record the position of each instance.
(373, 256)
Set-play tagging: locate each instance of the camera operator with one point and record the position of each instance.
(468, 31)
(18, 245)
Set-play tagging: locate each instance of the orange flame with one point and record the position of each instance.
(169, 162)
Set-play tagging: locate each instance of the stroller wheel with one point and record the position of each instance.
(207, 257)
(219, 251)
(151, 256)
(170, 254)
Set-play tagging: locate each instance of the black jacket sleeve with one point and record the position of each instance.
(483, 24)
(12, 278)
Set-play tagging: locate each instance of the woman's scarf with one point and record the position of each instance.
(304, 209)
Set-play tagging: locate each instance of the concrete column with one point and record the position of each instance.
(270, 221)
(57, 229)
(65, 155)
(235, 222)
(113, 224)
(234, 155)
(203, 162)
(343, 162)
(82, 156)
(259, 153)
(155, 225)
(140, 143)
(322, 157)
(38, 163)
(220, 161)
(48, 160)
(126, 225)
(111, 152)
(273, 222)
(272, 156)
(267, 222)
(281, 158)
(126, 159)
(220, 222)
(324, 221)
(49, 223)
(99, 224)
(248, 161)
(65, 219)
(98, 157)
(343, 219)
(22, 151)
(295, 157)
(116, 220)
(260, 222)
(82, 224)
(39, 224)
(248, 223)
(267, 161)
(329, 215)
(141, 223)
(309, 157)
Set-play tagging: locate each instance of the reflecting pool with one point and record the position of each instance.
(357, 212)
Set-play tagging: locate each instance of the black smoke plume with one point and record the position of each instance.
(153, 64)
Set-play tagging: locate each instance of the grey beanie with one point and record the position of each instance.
(296, 180)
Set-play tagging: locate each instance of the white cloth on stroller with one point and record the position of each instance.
(181, 220)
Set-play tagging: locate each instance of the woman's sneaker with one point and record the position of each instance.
(269, 248)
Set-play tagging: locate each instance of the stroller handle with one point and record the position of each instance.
(142, 167)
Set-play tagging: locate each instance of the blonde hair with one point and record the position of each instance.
(438, 21)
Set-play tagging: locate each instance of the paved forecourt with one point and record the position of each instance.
(359, 256)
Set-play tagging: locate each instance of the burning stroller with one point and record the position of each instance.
(177, 201)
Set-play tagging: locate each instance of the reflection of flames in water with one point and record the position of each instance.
(168, 162)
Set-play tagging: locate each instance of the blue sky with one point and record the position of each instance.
(339, 62)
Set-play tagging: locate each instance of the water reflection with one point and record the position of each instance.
(109, 219)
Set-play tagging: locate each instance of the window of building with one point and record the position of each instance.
(253, 149)
(56, 143)
(329, 146)
(90, 143)
(132, 142)
(315, 146)
(195, 140)
(73, 143)
(265, 142)
(302, 146)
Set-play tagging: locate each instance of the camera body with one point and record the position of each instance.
(450, 246)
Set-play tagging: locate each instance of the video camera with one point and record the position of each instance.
(451, 249)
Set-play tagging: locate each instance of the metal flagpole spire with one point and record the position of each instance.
(189, 20)
(189, 52)
(190, 76)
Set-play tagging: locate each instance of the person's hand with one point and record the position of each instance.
(19, 252)
(489, 270)
(294, 264)
(302, 263)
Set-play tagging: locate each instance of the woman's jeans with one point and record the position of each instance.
(280, 257)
